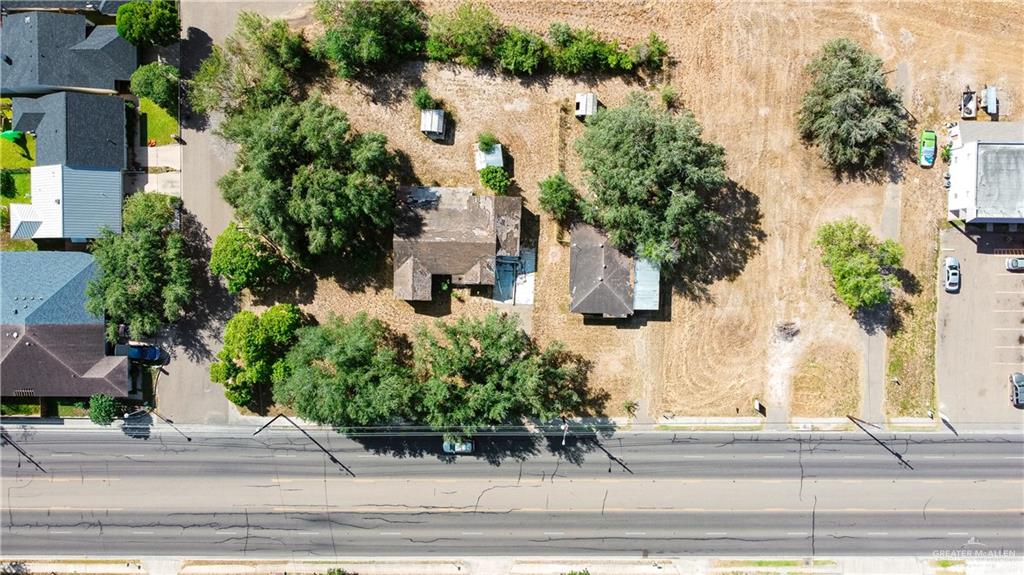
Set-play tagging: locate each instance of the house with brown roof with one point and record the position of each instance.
(451, 232)
(603, 281)
(50, 345)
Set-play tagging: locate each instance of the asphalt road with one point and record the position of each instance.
(226, 493)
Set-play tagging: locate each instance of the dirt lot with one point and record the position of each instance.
(737, 66)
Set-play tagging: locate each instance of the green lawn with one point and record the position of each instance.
(20, 408)
(13, 156)
(155, 123)
(23, 190)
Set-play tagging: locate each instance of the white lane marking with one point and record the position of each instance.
(1006, 329)
(472, 533)
(878, 533)
(1013, 457)
(957, 533)
(134, 455)
(62, 455)
(308, 533)
(714, 533)
(390, 532)
(365, 456)
(58, 532)
(933, 457)
(142, 532)
(1008, 363)
(1008, 346)
(853, 457)
(226, 533)
(948, 249)
(554, 533)
(635, 533)
(1010, 292)
(772, 456)
(797, 533)
(693, 457)
(284, 455)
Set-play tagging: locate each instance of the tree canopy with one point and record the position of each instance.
(149, 22)
(366, 34)
(258, 66)
(650, 177)
(346, 373)
(558, 197)
(849, 112)
(467, 35)
(479, 372)
(143, 276)
(245, 261)
(860, 265)
(253, 352)
(158, 82)
(307, 182)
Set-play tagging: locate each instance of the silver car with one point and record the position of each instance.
(1014, 264)
(457, 447)
(951, 266)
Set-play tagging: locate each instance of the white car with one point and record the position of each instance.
(1014, 264)
(457, 447)
(951, 266)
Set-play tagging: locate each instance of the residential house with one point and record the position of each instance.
(605, 282)
(105, 7)
(81, 149)
(451, 232)
(44, 52)
(50, 346)
(986, 173)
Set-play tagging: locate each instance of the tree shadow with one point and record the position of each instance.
(138, 425)
(194, 48)
(727, 247)
(908, 281)
(212, 304)
(391, 86)
(875, 319)
(900, 313)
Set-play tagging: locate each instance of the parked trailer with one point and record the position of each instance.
(991, 101)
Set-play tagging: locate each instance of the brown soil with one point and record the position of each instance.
(827, 382)
(738, 67)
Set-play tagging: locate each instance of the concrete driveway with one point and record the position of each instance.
(185, 393)
(980, 337)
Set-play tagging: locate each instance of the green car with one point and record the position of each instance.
(926, 155)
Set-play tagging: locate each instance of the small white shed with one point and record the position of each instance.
(432, 124)
(586, 104)
(492, 158)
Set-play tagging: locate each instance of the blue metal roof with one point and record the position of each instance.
(646, 286)
(38, 288)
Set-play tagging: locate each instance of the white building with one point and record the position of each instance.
(986, 173)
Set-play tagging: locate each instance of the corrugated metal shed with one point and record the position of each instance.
(586, 104)
(646, 285)
(492, 158)
(432, 123)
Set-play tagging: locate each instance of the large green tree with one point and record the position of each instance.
(650, 177)
(365, 34)
(849, 112)
(158, 82)
(860, 265)
(246, 261)
(143, 276)
(149, 22)
(253, 352)
(307, 182)
(467, 35)
(347, 374)
(478, 372)
(258, 66)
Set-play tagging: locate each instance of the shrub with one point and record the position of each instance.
(558, 197)
(367, 34)
(8, 188)
(668, 96)
(149, 23)
(158, 82)
(466, 36)
(242, 259)
(522, 52)
(422, 99)
(650, 54)
(859, 263)
(495, 179)
(103, 409)
(560, 33)
(849, 113)
(582, 50)
(486, 142)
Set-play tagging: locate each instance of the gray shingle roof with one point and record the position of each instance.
(75, 129)
(108, 7)
(48, 51)
(45, 288)
(59, 361)
(600, 276)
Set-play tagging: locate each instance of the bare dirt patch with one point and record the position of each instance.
(738, 67)
(827, 382)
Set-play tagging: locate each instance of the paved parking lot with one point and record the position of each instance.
(980, 330)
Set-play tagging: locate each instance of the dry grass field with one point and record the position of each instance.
(738, 67)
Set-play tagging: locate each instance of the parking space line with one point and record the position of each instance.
(1009, 346)
(1010, 292)
(1008, 363)
(1008, 311)
(1008, 329)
